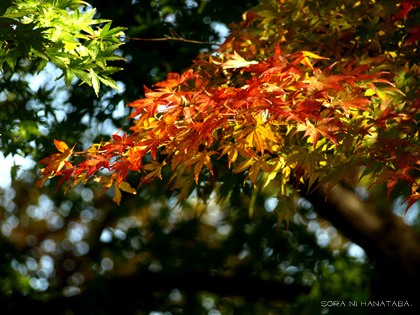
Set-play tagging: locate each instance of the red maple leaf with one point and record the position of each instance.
(119, 145)
(326, 127)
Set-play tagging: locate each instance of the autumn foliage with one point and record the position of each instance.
(259, 108)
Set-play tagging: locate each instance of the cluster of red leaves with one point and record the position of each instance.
(283, 116)
(404, 9)
(266, 114)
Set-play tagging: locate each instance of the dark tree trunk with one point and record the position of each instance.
(388, 241)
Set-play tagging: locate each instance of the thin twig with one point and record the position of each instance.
(174, 36)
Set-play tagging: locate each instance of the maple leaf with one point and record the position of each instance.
(413, 198)
(327, 127)
(156, 170)
(351, 70)
(152, 144)
(231, 150)
(200, 159)
(387, 148)
(122, 167)
(391, 177)
(348, 102)
(236, 61)
(66, 174)
(119, 145)
(183, 182)
(304, 58)
(124, 186)
(255, 169)
(258, 135)
(415, 107)
(284, 207)
(244, 165)
(92, 165)
(301, 110)
(55, 162)
(61, 145)
(415, 35)
(278, 165)
(174, 80)
(323, 80)
(385, 115)
(403, 13)
(337, 173)
(305, 161)
(106, 182)
(145, 104)
(80, 179)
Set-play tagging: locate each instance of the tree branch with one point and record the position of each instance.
(174, 36)
(167, 38)
(386, 238)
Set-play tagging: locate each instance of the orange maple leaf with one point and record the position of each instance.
(55, 162)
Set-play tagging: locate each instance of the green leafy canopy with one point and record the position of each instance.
(62, 32)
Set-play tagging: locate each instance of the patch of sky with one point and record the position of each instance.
(191, 4)
(221, 29)
(60, 96)
(411, 216)
(356, 252)
(36, 82)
